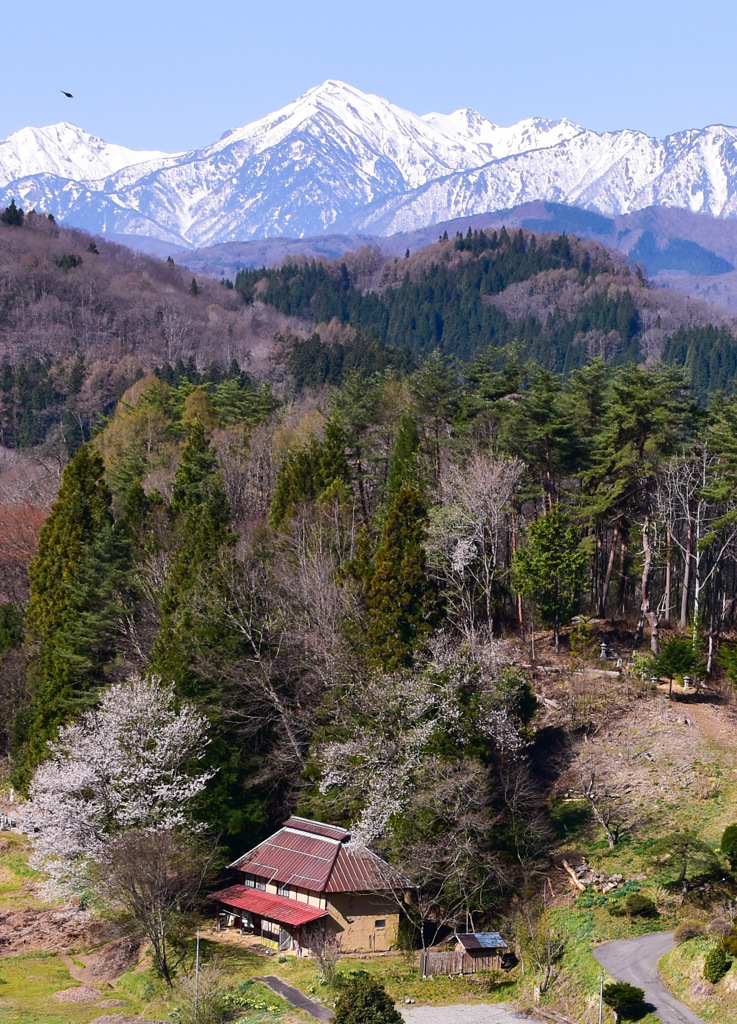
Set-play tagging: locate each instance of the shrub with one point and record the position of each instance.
(729, 942)
(204, 1000)
(716, 964)
(728, 844)
(626, 1000)
(719, 928)
(638, 905)
(688, 929)
(364, 1000)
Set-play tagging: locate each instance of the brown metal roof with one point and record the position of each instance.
(311, 855)
(357, 869)
(297, 858)
(265, 904)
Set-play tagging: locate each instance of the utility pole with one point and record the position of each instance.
(601, 997)
(197, 978)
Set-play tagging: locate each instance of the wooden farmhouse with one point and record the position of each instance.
(307, 877)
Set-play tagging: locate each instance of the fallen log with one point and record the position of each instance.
(574, 877)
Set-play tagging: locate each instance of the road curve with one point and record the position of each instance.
(636, 961)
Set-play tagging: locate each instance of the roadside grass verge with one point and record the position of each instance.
(682, 971)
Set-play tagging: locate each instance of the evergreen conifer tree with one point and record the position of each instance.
(78, 587)
(400, 598)
(201, 518)
(405, 466)
(550, 569)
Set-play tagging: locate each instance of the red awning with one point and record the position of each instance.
(266, 904)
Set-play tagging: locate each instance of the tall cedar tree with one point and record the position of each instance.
(308, 471)
(405, 467)
(400, 597)
(201, 517)
(549, 571)
(78, 586)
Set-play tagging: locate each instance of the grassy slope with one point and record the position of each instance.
(691, 783)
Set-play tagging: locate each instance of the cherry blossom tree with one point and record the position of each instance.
(135, 763)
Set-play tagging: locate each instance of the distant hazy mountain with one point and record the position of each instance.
(690, 252)
(340, 161)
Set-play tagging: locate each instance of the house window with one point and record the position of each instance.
(254, 883)
(283, 889)
(381, 923)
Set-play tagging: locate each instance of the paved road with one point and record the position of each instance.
(636, 961)
(297, 998)
(459, 1014)
(497, 1013)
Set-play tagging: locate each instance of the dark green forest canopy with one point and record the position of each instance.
(446, 306)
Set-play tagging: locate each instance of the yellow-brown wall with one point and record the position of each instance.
(356, 914)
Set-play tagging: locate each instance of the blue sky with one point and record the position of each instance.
(175, 74)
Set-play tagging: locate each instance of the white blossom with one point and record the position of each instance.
(125, 765)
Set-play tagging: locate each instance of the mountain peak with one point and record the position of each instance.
(67, 151)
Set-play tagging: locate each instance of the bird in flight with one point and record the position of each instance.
(68, 95)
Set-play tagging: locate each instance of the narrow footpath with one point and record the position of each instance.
(636, 961)
(296, 998)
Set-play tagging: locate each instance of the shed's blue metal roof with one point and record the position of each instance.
(481, 940)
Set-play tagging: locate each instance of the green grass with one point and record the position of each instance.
(16, 875)
(26, 995)
(682, 970)
(400, 975)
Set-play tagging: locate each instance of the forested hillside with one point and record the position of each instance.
(560, 301)
(455, 469)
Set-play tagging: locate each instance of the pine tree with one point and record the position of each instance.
(550, 569)
(78, 586)
(436, 394)
(400, 599)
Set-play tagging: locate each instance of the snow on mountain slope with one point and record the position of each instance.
(66, 151)
(339, 160)
(614, 173)
(532, 133)
(419, 148)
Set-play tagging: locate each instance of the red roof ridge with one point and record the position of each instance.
(318, 828)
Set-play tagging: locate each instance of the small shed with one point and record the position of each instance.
(473, 951)
(484, 949)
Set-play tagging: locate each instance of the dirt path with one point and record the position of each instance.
(636, 961)
(714, 721)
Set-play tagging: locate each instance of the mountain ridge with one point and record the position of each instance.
(337, 160)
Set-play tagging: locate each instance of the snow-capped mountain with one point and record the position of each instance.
(338, 160)
(67, 152)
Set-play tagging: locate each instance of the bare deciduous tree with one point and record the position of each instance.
(467, 535)
(326, 946)
(156, 877)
